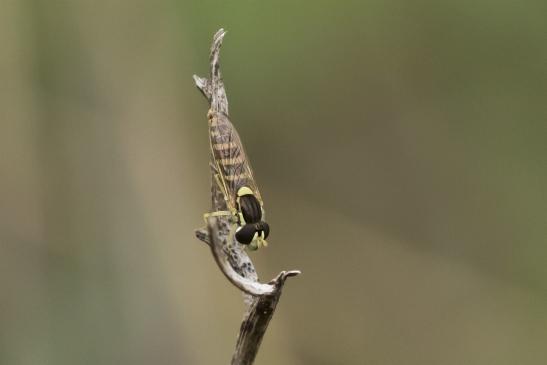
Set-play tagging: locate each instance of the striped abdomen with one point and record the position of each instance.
(229, 153)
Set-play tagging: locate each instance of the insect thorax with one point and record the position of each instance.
(249, 209)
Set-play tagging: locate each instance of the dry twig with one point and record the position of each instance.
(231, 257)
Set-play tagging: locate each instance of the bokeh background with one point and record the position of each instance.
(400, 148)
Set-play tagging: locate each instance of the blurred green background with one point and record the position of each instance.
(400, 148)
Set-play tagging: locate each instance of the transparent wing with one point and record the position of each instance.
(230, 157)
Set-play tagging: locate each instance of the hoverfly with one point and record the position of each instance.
(234, 178)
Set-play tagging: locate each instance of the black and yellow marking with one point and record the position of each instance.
(236, 180)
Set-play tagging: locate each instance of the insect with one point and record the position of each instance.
(234, 178)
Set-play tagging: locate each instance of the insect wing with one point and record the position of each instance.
(230, 158)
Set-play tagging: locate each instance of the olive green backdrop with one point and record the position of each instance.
(400, 148)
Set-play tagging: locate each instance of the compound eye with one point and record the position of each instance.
(245, 234)
(266, 229)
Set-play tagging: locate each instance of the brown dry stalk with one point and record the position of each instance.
(231, 257)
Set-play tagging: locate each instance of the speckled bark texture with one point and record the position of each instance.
(231, 257)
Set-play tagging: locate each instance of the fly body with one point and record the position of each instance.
(235, 180)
